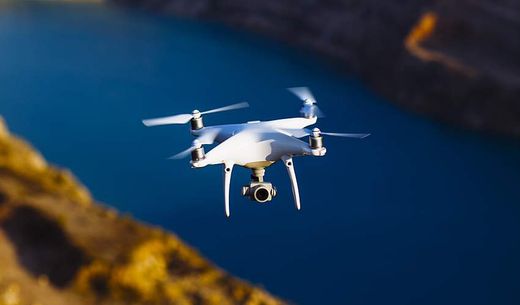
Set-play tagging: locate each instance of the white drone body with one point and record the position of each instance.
(255, 145)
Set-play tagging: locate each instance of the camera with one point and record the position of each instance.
(259, 191)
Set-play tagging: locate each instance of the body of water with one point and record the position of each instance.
(418, 213)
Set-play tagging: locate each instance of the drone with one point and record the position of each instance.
(255, 145)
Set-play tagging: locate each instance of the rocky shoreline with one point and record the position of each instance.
(59, 246)
(456, 61)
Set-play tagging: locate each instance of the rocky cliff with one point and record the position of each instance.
(458, 61)
(58, 246)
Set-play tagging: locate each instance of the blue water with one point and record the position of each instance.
(418, 213)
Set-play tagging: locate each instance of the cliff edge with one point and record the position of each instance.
(58, 246)
(452, 60)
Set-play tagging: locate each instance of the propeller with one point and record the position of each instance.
(309, 108)
(346, 135)
(183, 154)
(207, 137)
(303, 93)
(300, 133)
(185, 118)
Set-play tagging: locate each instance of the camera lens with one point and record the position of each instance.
(261, 194)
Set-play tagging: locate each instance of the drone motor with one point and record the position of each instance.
(315, 139)
(196, 121)
(197, 154)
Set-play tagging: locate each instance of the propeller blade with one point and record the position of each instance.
(300, 133)
(303, 93)
(311, 111)
(185, 118)
(347, 135)
(297, 133)
(208, 136)
(183, 154)
(174, 119)
(227, 108)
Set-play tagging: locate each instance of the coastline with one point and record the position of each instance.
(60, 246)
(432, 58)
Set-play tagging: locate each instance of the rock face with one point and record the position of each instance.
(57, 246)
(458, 61)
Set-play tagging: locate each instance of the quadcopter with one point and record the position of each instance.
(255, 145)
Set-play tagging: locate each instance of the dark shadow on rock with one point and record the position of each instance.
(99, 284)
(42, 246)
(3, 198)
(181, 266)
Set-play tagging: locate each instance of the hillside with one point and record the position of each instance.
(452, 60)
(58, 246)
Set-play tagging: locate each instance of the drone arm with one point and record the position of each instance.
(228, 168)
(294, 183)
